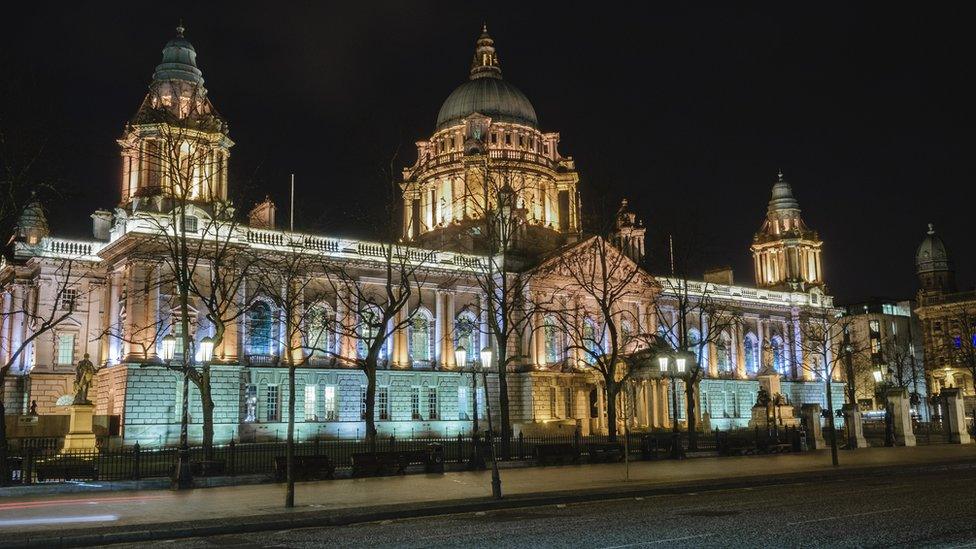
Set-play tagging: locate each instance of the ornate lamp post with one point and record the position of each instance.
(673, 368)
(461, 360)
(182, 475)
(882, 384)
(496, 482)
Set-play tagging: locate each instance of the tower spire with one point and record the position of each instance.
(485, 61)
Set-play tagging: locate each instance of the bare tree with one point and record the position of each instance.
(597, 288)
(827, 347)
(288, 281)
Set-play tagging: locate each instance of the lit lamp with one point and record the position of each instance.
(206, 349)
(662, 361)
(680, 364)
(486, 357)
(496, 483)
(169, 347)
(877, 376)
(460, 357)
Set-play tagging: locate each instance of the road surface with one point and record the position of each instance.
(931, 509)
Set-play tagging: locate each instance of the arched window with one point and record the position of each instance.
(590, 341)
(259, 325)
(553, 345)
(466, 335)
(368, 330)
(320, 337)
(724, 358)
(752, 353)
(779, 357)
(626, 333)
(421, 337)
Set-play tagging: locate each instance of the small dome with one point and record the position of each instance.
(932, 255)
(782, 198)
(179, 61)
(486, 92)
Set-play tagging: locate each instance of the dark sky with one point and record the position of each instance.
(689, 112)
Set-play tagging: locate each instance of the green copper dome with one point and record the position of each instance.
(179, 61)
(487, 93)
(931, 255)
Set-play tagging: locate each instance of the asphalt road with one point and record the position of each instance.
(932, 509)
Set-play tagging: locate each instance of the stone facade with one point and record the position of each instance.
(120, 305)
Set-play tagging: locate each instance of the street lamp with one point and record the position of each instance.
(206, 349)
(496, 481)
(680, 363)
(169, 347)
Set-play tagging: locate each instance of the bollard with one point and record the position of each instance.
(136, 458)
(231, 457)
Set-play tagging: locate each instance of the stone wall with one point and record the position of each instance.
(729, 401)
(47, 388)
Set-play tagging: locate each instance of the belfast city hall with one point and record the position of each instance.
(492, 296)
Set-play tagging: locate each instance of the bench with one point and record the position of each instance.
(306, 468)
(378, 464)
(605, 452)
(556, 453)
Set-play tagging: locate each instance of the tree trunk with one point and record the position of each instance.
(371, 403)
(207, 406)
(611, 390)
(690, 387)
(505, 427)
(832, 431)
(290, 443)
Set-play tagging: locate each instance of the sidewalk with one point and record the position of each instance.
(135, 515)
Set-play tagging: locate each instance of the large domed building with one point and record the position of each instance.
(486, 144)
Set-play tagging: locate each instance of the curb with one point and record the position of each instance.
(343, 517)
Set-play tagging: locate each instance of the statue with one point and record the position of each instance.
(84, 375)
(33, 408)
(762, 399)
(766, 366)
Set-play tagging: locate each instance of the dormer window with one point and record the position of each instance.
(190, 224)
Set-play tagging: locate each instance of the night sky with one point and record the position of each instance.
(687, 112)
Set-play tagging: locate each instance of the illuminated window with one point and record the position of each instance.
(251, 404)
(466, 335)
(553, 345)
(310, 392)
(421, 338)
(320, 339)
(464, 405)
(66, 349)
(568, 403)
(258, 328)
(552, 402)
(69, 297)
(415, 403)
(432, 404)
(590, 341)
(368, 330)
(383, 403)
(752, 353)
(779, 356)
(329, 402)
(271, 403)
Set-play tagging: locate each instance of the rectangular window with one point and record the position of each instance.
(383, 403)
(331, 411)
(552, 402)
(66, 349)
(362, 402)
(68, 299)
(568, 403)
(482, 399)
(190, 224)
(310, 415)
(432, 408)
(415, 403)
(271, 402)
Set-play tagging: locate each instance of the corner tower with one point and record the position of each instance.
(176, 146)
(786, 253)
(932, 265)
(487, 143)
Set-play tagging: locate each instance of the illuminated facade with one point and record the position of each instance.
(948, 321)
(487, 140)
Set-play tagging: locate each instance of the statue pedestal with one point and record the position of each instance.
(779, 415)
(80, 437)
(855, 429)
(812, 419)
(901, 417)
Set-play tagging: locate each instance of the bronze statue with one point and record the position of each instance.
(762, 399)
(84, 376)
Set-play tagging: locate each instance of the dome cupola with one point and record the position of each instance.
(179, 61)
(932, 264)
(486, 92)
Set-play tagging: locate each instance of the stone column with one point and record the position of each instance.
(115, 297)
(400, 356)
(601, 405)
(439, 359)
(654, 406)
(538, 340)
(449, 330)
(151, 319)
(812, 422)
(954, 417)
(346, 320)
(7, 308)
(855, 429)
(136, 332)
(901, 416)
(740, 352)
